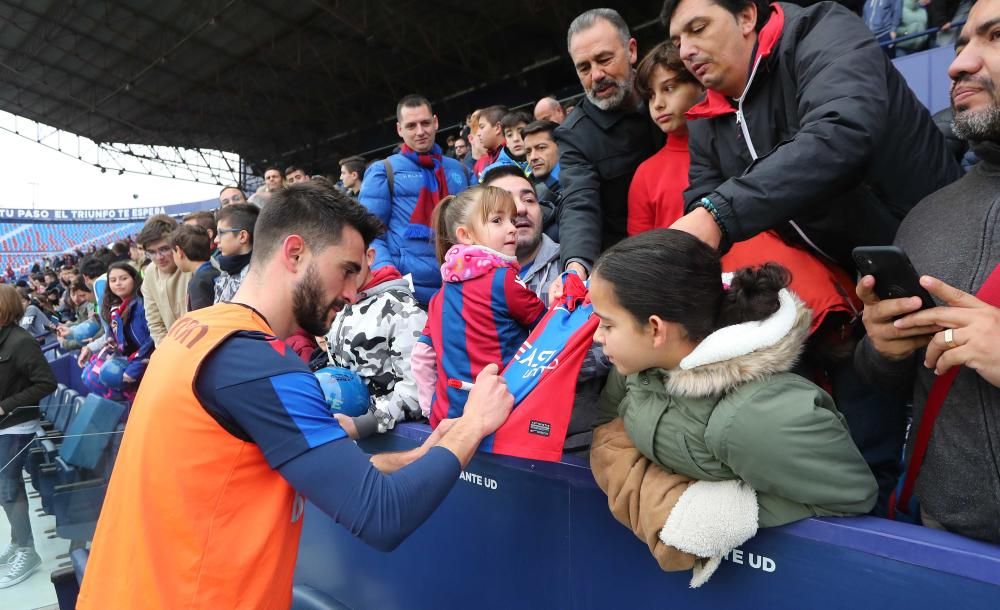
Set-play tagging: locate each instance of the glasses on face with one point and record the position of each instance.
(161, 252)
(221, 231)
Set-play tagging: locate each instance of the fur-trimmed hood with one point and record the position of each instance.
(744, 352)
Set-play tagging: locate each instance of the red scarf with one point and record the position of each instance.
(433, 190)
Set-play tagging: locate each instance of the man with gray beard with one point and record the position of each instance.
(953, 238)
(602, 141)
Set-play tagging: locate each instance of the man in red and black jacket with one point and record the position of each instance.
(807, 127)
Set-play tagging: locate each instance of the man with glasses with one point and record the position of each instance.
(461, 148)
(234, 238)
(164, 286)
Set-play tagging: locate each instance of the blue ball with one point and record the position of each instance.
(84, 330)
(344, 391)
(112, 372)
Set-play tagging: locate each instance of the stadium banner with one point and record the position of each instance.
(136, 214)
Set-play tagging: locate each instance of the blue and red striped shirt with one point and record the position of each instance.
(473, 323)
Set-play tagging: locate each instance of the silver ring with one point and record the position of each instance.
(949, 338)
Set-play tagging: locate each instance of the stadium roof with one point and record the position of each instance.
(303, 82)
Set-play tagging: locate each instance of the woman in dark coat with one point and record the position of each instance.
(25, 378)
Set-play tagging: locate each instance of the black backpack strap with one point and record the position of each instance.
(389, 178)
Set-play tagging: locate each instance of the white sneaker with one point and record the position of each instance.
(7, 557)
(25, 562)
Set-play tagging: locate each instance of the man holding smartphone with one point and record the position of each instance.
(953, 237)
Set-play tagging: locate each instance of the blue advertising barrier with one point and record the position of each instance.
(520, 534)
(927, 75)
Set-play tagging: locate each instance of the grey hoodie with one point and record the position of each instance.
(544, 269)
(34, 321)
(953, 235)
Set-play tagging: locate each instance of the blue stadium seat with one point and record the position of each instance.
(68, 405)
(89, 433)
(50, 399)
(73, 487)
(305, 597)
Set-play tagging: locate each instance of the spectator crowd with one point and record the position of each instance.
(711, 190)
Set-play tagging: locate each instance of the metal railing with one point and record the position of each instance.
(926, 33)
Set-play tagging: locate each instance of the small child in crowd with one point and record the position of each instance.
(234, 238)
(374, 337)
(483, 312)
(192, 247)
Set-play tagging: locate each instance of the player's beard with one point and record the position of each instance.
(311, 313)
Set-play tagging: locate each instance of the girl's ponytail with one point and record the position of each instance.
(753, 294)
(443, 229)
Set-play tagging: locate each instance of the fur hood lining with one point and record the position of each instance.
(744, 352)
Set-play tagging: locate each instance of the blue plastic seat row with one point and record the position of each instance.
(72, 459)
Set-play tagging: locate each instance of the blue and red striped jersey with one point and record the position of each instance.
(473, 323)
(540, 374)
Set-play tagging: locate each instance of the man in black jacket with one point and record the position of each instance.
(602, 141)
(807, 127)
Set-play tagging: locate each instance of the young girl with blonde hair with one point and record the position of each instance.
(483, 312)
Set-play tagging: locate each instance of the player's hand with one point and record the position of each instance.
(347, 423)
(442, 428)
(490, 402)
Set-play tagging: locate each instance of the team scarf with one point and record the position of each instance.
(119, 318)
(433, 190)
(542, 377)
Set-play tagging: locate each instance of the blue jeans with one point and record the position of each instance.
(13, 496)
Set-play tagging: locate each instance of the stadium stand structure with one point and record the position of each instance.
(308, 83)
(23, 244)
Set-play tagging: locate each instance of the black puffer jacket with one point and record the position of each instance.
(25, 376)
(598, 153)
(842, 146)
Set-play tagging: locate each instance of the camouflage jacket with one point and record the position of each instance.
(226, 285)
(374, 337)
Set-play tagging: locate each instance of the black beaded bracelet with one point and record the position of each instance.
(706, 203)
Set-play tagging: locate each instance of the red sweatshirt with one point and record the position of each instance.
(656, 195)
